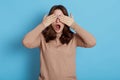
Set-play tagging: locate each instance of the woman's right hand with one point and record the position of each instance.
(47, 20)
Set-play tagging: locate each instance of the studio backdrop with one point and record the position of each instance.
(99, 17)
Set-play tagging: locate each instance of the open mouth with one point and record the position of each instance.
(57, 27)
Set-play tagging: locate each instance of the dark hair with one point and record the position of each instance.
(50, 34)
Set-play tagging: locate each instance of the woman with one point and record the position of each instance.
(58, 44)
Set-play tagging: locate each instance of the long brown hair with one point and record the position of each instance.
(50, 34)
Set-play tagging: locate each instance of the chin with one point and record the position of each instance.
(58, 31)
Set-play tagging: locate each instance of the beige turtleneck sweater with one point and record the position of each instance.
(57, 61)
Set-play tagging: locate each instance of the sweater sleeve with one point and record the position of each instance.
(33, 38)
(82, 37)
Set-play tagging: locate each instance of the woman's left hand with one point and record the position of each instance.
(66, 19)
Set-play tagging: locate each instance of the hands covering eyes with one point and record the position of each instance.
(47, 20)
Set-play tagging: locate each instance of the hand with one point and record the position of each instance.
(66, 19)
(47, 20)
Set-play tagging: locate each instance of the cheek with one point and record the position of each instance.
(62, 27)
(53, 25)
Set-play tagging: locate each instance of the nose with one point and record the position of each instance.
(57, 20)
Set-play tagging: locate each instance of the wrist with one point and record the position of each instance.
(44, 24)
(72, 24)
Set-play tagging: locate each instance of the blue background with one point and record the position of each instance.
(100, 17)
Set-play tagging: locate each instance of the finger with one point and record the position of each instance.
(61, 17)
(53, 16)
(64, 18)
(44, 16)
(71, 15)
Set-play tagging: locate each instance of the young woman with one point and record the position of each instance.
(58, 44)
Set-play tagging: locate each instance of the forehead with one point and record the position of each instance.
(58, 12)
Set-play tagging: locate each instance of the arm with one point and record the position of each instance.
(82, 37)
(33, 39)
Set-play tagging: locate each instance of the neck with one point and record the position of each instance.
(58, 35)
